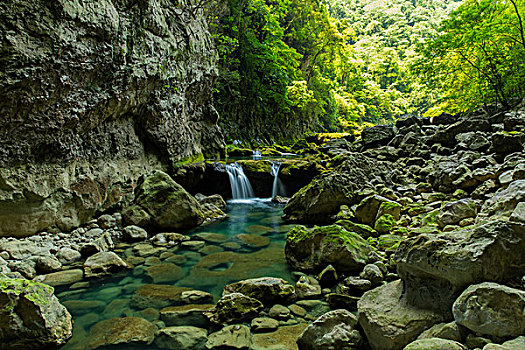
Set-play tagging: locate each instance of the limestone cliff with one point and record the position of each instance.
(94, 93)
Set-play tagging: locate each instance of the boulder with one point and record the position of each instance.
(334, 330)
(508, 142)
(61, 278)
(264, 324)
(181, 338)
(311, 249)
(31, 316)
(236, 307)
(475, 141)
(449, 331)
(268, 290)
(438, 267)
(162, 204)
(48, 264)
(134, 233)
(452, 213)
(307, 287)
(435, 344)
(378, 135)
(505, 200)
(368, 210)
(103, 264)
(518, 214)
(492, 310)
(126, 331)
(514, 344)
(389, 321)
(234, 337)
(320, 199)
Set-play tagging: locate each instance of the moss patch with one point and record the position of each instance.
(385, 223)
(35, 292)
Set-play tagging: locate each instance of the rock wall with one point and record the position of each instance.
(92, 94)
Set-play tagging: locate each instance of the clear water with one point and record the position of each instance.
(249, 244)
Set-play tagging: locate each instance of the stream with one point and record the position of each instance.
(248, 244)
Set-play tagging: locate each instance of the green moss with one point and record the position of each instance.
(389, 207)
(459, 194)
(36, 292)
(429, 219)
(417, 209)
(362, 230)
(299, 233)
(385, 223)
(256, 166)
(195, 158)
(438, 196)
(388, 243)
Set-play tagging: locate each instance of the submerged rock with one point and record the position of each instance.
(492, 310)
(389, 321)
(31, 317)
(126, 331)
(313, 249)
(186, 315)
(156, 296)
(334, 330)
(438, 267)
(162, 204)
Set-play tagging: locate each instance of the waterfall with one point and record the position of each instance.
(241, 187)
(277, 184)
(257, 155)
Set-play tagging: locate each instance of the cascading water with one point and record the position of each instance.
(277, 187)
(241, 187)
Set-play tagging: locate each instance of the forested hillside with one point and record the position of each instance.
(288, 67)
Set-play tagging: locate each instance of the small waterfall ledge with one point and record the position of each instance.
(240, 185)
(277, 187)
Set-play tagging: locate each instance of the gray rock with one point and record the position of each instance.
(61, 278)
(279, 312)
(355, 285)
(181, 338)
(475, 141)
(491, 309)
(264, 324)
(372, 273)
(334, 330)
(307, 287)
(103, 264)
(514, 344)
(22, 249)
(24, 267)
(32, 317)
(47, 264)
(505, 200)
(162, 204)
(68, 255)
(235, 337)
(196, 297)
(269, 290)
(435, 344)
(107, 221)
(438, 267)
(134, 233)
(389, 321)
(368, 210)
(452, 213)
(449, 331)
(518, 214)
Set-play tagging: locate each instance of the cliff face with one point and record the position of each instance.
(94, 93)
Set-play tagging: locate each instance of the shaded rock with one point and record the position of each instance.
(283, 338)
(22, 249)
(181, 338)
(384, 224)
(372, 273)
(47, 264)
(61, 278)
(514, 344)
(186, 315)
(452, 213)
(320, 200)
(435, 344)
(68, 255)
(491, 309)
(328, 277)
(505, 200)
(31, 317)
(161, 203)
(334, 330)
(307, 287)
(235, 337)
(103, 243)
(342, 301)
(364, 231)
(368, 210)
(156, 295)
(103, 264)
(264, 324)
(165, 273)
(438, 267)
(378, 135)
(449, 331)
(236, 307)
(126, 331)
(25, 267)
(279, 312)
(508, 142)
(355, 285)
(390, 323)
(312, 249)
(475, 141)
(168, 239)
(268, 290)
(134, 233)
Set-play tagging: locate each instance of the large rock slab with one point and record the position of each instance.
(389, 321)
(268, 290)
(438, 267)
(492, 310)
(103, 264)
(31, 317)
(181, 338)
(234, 337)
(157, 296)
(126, 331)
(162, 204)
(334, 330)
(312, 249)
(61, 278)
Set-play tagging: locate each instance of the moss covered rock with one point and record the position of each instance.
(312, 249)
(269, 290)
(161, 203)
(385, 223)
(31, 317)
(235, 308)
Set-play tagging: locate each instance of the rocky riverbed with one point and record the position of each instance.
(410, 237)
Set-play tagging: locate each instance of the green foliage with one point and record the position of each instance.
(478, 56)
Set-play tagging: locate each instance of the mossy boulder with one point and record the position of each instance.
(438, 267)
(269, 290)
(235, 308)
(31, 316)
(362, 230)
(312, 249)
(385, 223)
(162, 204)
